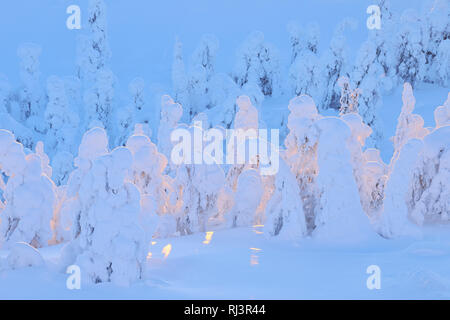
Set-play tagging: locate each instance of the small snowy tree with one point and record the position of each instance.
(436, 34)
(99, 100)
(158, 197)
(340, 216)
(179, 76)
(409, 125)
(349, 96)
(258, 64)
(429, 196)
(62, 121)
(93, 145)
(334, 65)
(442, 114)
(111, 241)
(171, 113)
(284, 215)
(27, 221)
(396, 220)
(31, 99)
(409, 47)
(304, 72)
(249, 192)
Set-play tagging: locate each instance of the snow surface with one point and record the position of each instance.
(243, 264)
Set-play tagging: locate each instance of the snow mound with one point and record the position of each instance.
(23, 255)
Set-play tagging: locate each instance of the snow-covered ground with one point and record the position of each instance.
(243, 264)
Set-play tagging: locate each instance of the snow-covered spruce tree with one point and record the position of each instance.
(436, 36)
(24, 221)
(442, 114)
(201, 71)
(111, 242)
(368, 168)
(304, 71)
(99, 100)
(246, 119)
(409, 48)
(409, 125)
(62, 121)
(141, 112)
(334, 65)
(93, 145)
(93, 52)
(396, 220)
(301, 152)
(258, 63)
(158, 196)
(93, 56)
(284, 215)
(171, 114)
(375, 67)
(248, 195)
(179, 76)
(133, 113)
(340, 216)
(199, 186)
(371, 78)
(442, 62)
(9, 106)
(30, 97)
(429, 194)
(349, 96)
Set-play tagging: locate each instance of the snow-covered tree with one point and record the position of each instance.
(99, 100)
(258, 63)
(396, 220)
(171, 113)
(340, 216)
(429, 195)
(409, 125)
(284, 215)
(93, 145)
(29, 196)
(442, 114)
(31, 99)
(140, 111)
(249, 192)
(409, 48)
(304, 72)
(158, 196)
(179, 76)
(301, 152)
(349, 96)
(93, 52)
(111, 241)
(334, 65)
(62, 121)
(436, 34)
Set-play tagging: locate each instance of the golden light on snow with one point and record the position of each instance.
(153, 243)
(208, 237)
(166, 250)
(256, 227)
(149, 255)
(254, 258)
